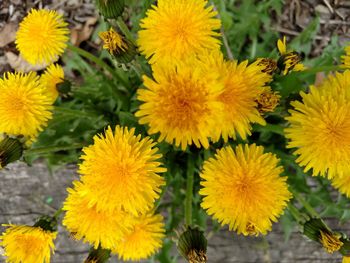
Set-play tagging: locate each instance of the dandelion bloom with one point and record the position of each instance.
(242, 84)
(104, 228)
(120, 171)
(42, 36)
(268, 100)
(242, 187)
(27, 244)
(113, 41)
(180, 103)
(342, 183)
(143, 240)
(176, 29)
(24, 108)
(289, 60)
(320, 127)
(346, 57)
(52, 76)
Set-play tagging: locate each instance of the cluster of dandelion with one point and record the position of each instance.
(194, 101)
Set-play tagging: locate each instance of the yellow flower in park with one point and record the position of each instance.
(113, 42)
(242, 188)
(144, 238)
(52, 76)
(42, 36)
(180, 103)
(176, 29)
(104, 228)
(289, 60)
(346, 57)
(24, 108)
(320, 128)
(27, 244)
(241, 85)
(121, 171)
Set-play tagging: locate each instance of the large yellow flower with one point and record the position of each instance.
(346, 57)
(27, 244)
(143, 240)
(120, 171)
(176, 29)
(104, 228)
(242, 85)
(52, 76)
(242, 188)
(24, 109)
(42, 36)
(180, 103)
(320, 127)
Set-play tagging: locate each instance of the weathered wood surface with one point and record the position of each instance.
(24, 195)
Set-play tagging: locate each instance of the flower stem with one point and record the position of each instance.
(76, 113)
(125, 30)
(58, 213)
(189, 191)
(114, 72)
(51, 149)
(305, 204)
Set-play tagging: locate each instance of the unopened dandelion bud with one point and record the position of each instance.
(111, 8)
(123, 50)
(47, 223)
(10, 151)
(268, 65)
(318, 231)
(98, 255)
(268, 100)
(192, 245)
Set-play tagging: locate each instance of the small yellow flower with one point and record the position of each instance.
(289, 59)
(104, 228)
(42, 36)
(52, 76)
(176, 29)
(268, 65)
(346, 57)
(242, 187)
(143, 240)
(320, 128)
(113, 42)
(331, 242)
(27, 244)
(268, 100)
(24, 109)
(121, 171)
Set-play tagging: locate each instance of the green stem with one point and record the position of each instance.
(77, 113)
(114, 72)
(51, 149)
(295, 213)
(305, 204)
(125, 30)
(58, 213)
(189, 190)
(315, 70)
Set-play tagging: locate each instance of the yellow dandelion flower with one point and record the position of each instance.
(104, 228)
(320, 127)
(42, 36)
(342, 183)
(143, 240)
(120, 171)
(346, 259)
(113, 41)
(331, 242)
(52, 76)
(180, 103)
(346, 57)
(27, 244)
(289, 59)
(268, 65)
(268, 100)
(176, 29)
(242, 84)
(24, 109)
(242, 188)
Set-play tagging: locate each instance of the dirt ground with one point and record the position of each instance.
(27, 192)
